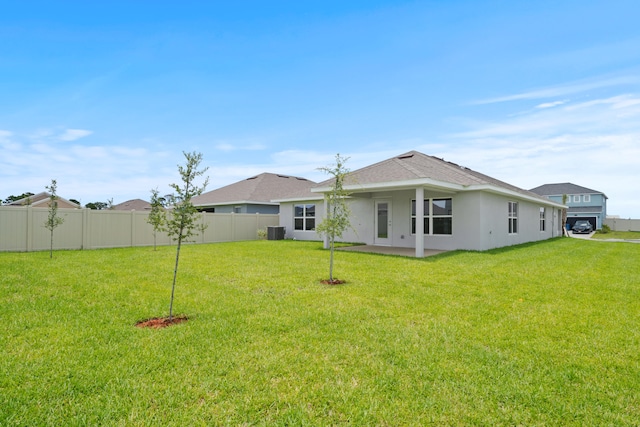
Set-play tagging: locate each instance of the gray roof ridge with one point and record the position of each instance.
(406, 165)
(566, 187)
(360, 170)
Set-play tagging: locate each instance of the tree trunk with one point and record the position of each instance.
(331, 260)
(175, 274)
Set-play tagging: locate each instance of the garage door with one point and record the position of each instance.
(572, 220)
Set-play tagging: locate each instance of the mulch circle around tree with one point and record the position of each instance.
(333, 282)
(161, 322)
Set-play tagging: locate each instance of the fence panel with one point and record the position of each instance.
(13, 229)
(619, 224)
(22, 228)
(65, 236)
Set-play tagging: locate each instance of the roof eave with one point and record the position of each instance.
(299, 199)
(395, 185)
(237, 202)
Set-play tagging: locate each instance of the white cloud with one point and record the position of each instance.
(74, 134)
(594, 144)
(7, 142)
(566, 89)
(599, 116)
(227, 146)
(550, 104)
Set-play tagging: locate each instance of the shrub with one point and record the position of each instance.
(262, 233)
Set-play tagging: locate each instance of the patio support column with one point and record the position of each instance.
(419, 222)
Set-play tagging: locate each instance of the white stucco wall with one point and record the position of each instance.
(479, 221)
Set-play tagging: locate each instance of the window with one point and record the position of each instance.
(587, 198)
(425, 219)
(576, 199)
(438, 216)
(442, 216)
(543, 226)
(304, 217)
(513, 217)
(237, 209)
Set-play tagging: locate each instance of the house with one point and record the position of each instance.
(252, 195)
(43, 200)
(460, 208)
(133, 205)
(582, 202)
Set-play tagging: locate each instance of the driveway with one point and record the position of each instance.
(581, 236)
(588, 236)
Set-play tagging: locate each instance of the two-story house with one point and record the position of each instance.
(582, 202)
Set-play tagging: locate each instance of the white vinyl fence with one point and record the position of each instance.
(619, 224)
(22, 229)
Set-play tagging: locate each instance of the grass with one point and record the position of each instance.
(539, 334)
(623, 235)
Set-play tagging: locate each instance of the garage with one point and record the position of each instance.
(572, 220)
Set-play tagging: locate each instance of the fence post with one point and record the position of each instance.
(133, 226)
(30, 230)
(85, 228)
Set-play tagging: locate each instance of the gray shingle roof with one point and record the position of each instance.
(414, 166)
(259, 189)
(563, 188)
(133, 205)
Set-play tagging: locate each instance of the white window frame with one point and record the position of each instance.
(576, 198)
(305, 217)
(429, 215)
(513, 217)
(543, 218)
(587, 198)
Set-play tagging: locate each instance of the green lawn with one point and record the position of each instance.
(624, 235)
(542, 334)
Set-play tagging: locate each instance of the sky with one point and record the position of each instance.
(104, 97)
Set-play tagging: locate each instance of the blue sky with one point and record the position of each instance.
(105, 96)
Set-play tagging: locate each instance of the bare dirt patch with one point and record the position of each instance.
(161, 322)
(333, 282)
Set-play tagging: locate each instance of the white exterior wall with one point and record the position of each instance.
(286, 220)
(494, 230)
(479, 220)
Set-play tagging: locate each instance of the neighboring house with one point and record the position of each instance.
(42, 200)
(252, 195)
(583, 203)
(460, 208)
(133, 205)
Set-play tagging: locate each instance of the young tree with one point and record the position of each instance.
(53, 220)
(182, 224)
(157, 216)
(337, 216)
